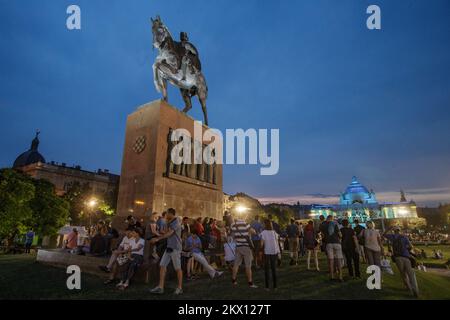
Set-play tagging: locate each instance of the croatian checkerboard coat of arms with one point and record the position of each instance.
(139, 144)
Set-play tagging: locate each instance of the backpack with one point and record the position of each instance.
(397, 247)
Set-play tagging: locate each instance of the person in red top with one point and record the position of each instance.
(215, 231)
(72, 239)
(198, 227)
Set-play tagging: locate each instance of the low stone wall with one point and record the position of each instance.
(61, 258)
(90, 264)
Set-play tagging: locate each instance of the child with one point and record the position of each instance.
(230, 248)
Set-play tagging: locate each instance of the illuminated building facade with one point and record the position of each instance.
(357, 202)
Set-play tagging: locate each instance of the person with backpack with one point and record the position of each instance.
(256, 238)
(332, 237)
(358, 231)
(401, 248)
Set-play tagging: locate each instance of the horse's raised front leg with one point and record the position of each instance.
(156, 79)
(159, 81)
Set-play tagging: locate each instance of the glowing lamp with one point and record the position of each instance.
(241, 209)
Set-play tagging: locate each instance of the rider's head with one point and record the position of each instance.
(184, 36)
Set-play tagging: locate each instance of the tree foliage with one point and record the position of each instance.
(29, 203)
(78, 195)
(16, 192)
(49, 212)
(281, 213)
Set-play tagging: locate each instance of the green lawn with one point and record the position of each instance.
(22, 278)
(430, 261)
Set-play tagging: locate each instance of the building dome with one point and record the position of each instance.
(31, 156)
(356, 187)
(357, 193)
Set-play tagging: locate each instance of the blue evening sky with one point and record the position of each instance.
(347, 100)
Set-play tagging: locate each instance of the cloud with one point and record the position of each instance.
(431, 196)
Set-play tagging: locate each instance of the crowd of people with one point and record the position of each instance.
(428, 237)
(208, 245)
(343, 244)
(96, 240)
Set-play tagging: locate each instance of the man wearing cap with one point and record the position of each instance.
(401, 247)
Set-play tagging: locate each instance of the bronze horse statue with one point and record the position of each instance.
(179, 64)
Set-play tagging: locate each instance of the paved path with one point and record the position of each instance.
(442, 272)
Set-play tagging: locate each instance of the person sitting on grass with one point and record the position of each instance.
(136, 258)
(194, 245)
(72, 240)
(423, 254)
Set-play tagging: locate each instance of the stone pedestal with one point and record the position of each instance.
(150, 183)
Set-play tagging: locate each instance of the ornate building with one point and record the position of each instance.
(33, 163)
(357, 202)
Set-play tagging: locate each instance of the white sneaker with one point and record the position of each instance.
(178, 291)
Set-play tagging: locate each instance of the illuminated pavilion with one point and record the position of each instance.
(357, 202)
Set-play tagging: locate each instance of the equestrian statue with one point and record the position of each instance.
(178, 62)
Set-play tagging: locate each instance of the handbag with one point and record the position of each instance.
(386, 266)
(122, 259)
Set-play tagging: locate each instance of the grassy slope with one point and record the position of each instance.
(22, 278)
(430, 261)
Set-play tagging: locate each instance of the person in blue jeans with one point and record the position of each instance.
(29, 237)
(194, 245)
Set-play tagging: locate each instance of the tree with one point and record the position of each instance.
(16, 192)
(78, 195)
(49, 212)
(282, 213)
